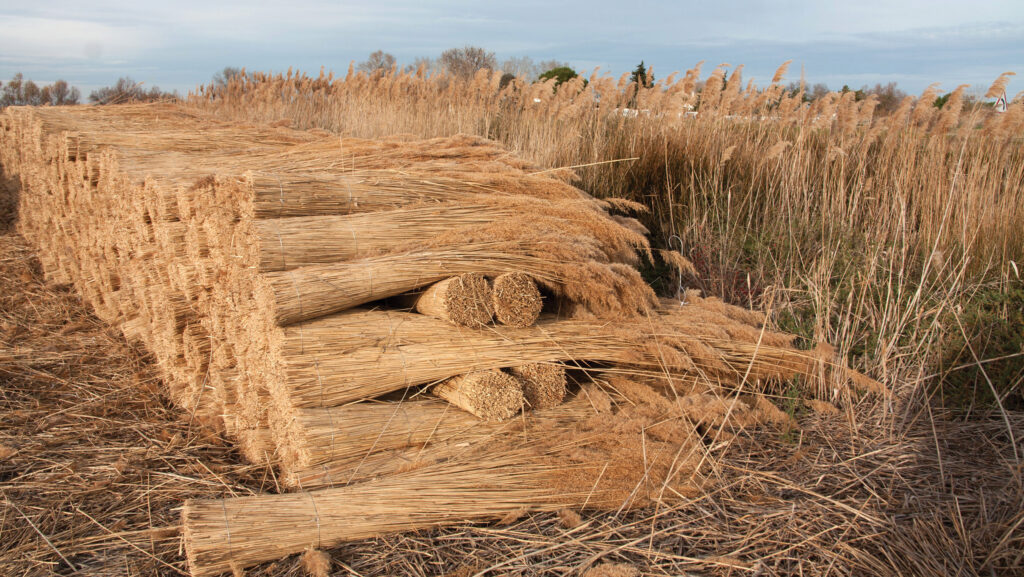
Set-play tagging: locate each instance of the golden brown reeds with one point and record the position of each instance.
(409, 349)
(490, 395)
(517, 301)
(571, 267)
(544, 384)
(464, 300)
(343, 445)
(598, 462)
(287, 243)
(230, 534)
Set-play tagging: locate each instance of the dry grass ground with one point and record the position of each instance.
(94, 463)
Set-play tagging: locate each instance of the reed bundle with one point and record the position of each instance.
(620, 457)
(341, 445)
(490, 395)
(230, 534)
(409, 350)
(544, 384)
(286, 243)
(346, 434)
(362, 354)
(313, 291)
(463, 300)
(517, 302)
(284, 193)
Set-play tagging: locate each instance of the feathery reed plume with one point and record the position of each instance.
(780, 72)
(998, 87)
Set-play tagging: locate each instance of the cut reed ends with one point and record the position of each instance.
(463, 300)
(517, 301)
(491, 395)
(544, 384)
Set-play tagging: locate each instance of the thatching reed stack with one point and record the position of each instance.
(237, 256)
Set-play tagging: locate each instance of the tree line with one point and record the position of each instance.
(457, 62)
(20, 92)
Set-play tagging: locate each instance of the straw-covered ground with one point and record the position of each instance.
(94, 463)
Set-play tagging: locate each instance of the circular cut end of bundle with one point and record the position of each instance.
(517, 301)
(491, 395)
(543, 384)
(464, 300)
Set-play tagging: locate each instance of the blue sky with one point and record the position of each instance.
(178, 45)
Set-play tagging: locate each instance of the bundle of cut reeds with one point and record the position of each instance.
(317, 290)
(232, 253)
(464, 300)
(517, 302)
(624, 457)
(490, 395)
(342, 445)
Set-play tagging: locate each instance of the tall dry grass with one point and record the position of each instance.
(896, 238)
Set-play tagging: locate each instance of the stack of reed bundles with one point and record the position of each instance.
(299, 291)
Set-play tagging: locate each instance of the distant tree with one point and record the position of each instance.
(21, 92)
(889, 97)
(858, 95)
(127, 90)
(641, 76)
(506, 79)
(519, 67)
(13, 94)
(222, 78)
(465, 62)
(545, 65)
(819, 90)
(560, 74)
(60, 94)
(420, 63)
(378, 60)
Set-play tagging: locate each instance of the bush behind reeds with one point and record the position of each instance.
(877, 234)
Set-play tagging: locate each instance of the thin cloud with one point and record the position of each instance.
(179, 45)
